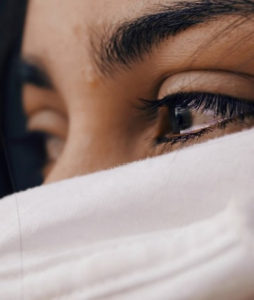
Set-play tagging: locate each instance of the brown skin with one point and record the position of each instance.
(92, 117)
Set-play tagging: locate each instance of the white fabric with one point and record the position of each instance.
(179, 226)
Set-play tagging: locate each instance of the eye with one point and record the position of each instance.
(192, 115)
(52, 125)
(46, 114)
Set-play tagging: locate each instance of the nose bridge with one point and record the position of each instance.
(86, 149)
(91, 148)
(81, 158)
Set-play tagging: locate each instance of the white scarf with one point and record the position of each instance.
(178, 226)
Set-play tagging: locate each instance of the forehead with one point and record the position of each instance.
(59, 32)
(65, 22)
(92, 10)
(89, 15)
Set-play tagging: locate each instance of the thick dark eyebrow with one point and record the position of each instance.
(31, 73)
(132, 39)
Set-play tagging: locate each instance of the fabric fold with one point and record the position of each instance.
(178, 226)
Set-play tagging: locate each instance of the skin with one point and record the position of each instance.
(92, 117)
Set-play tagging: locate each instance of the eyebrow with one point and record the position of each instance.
(31, 73)
(131, 40)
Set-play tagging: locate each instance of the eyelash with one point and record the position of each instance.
(227, 107)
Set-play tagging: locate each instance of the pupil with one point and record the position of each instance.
(181, 119)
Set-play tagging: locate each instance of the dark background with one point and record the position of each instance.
(21, 153)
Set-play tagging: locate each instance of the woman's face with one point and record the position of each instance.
(113, 81)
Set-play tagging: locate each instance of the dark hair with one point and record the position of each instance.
(12, 15)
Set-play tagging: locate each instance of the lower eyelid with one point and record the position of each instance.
(184, 138)
(188, 137)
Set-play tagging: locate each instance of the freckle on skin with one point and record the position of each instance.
(77, 30)
(87, 72)
(90, 75)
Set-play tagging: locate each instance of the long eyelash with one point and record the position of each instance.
(227, 107)
(222, 105)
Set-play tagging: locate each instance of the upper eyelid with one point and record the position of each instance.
(30, 73)
(209, 80)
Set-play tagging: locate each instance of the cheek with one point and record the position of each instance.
(99, 144)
